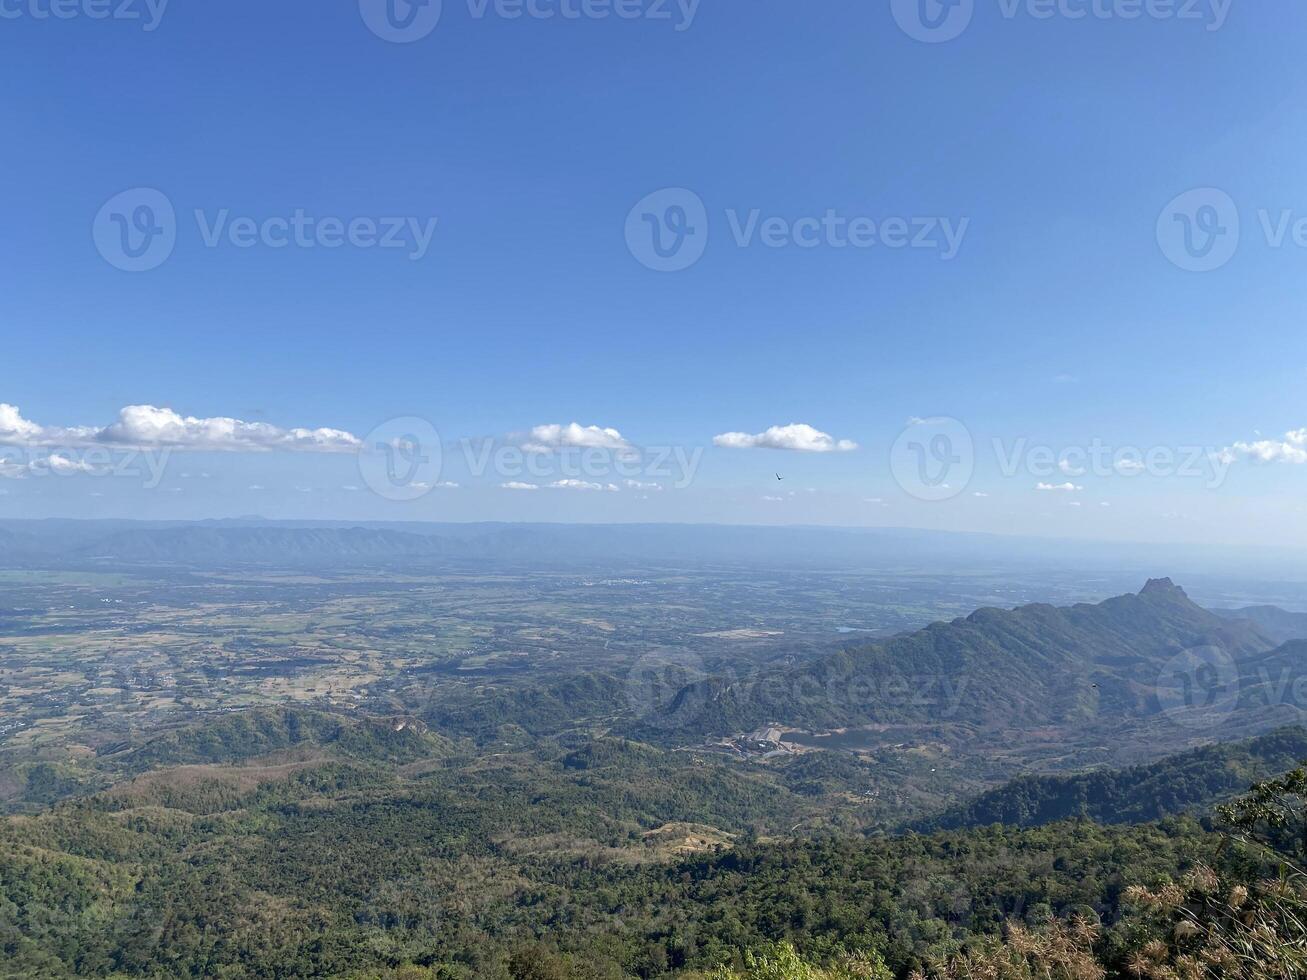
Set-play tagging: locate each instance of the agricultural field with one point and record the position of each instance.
(90, 658)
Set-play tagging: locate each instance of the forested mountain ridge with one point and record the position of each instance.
(1031, 666)
(1191, 782)
(243, 735)
(260, 738)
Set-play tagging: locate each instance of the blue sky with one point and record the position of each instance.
(1052, 143)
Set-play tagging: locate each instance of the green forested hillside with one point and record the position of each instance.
(1189, 782)
(612, 859)
(311, 879)
(242, 735)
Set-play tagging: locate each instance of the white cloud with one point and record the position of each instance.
(149, 427)
(54, 463)
(583, 485)
(980, 493)
(1291, 449)
(14, 429)
(63, 465)
(1129, 467)
(1058, 487)
(516, 485)
(795, 437)
(554, 437)
(774, 500)
(640, 485)
(1070, 469)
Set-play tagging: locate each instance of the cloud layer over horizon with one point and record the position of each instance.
(150, 427)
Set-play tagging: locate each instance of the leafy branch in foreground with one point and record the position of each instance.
(782, 962)
(1272, 817)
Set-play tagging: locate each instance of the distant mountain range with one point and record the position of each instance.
(1090, 673)
(1275, 622)
(263, 542)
